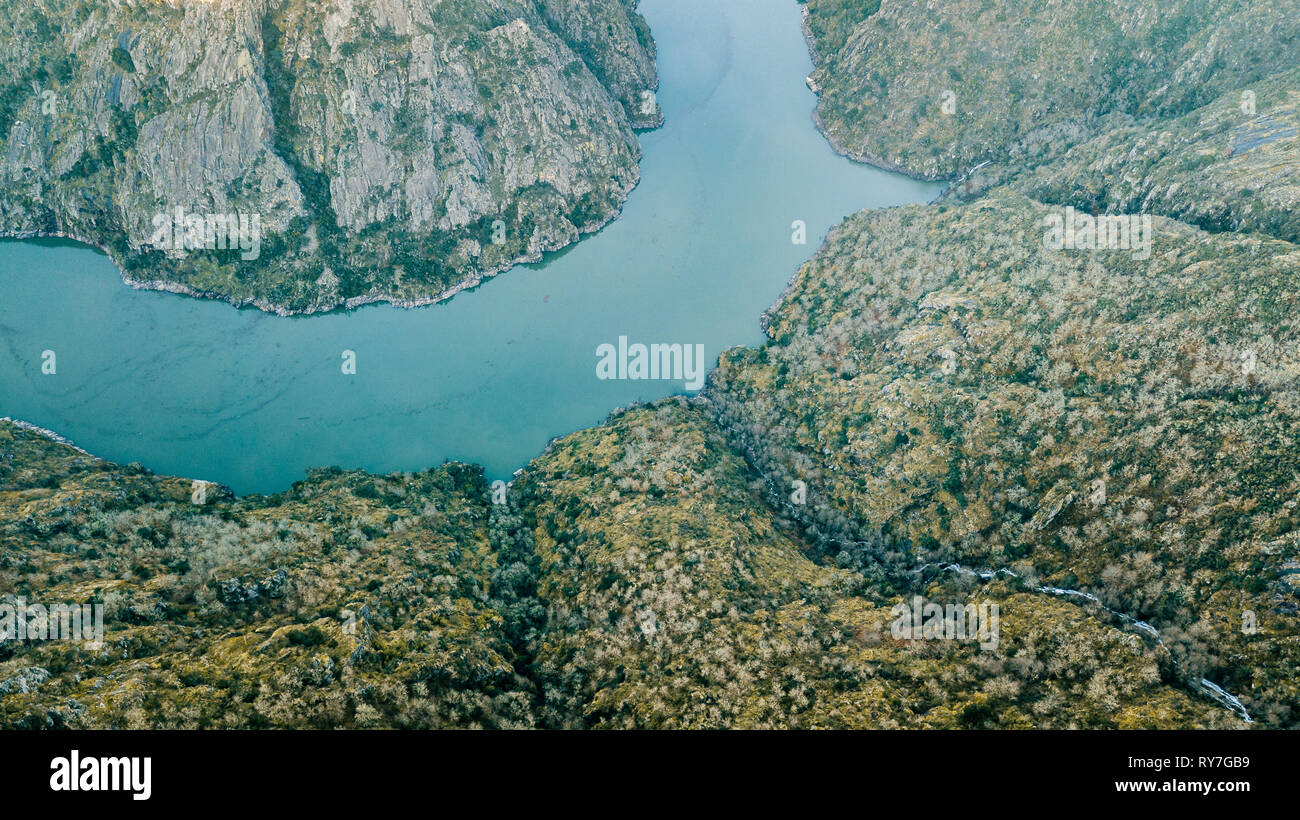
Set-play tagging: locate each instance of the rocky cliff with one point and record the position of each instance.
(1068, 389)
(384, 149)
(933, 89)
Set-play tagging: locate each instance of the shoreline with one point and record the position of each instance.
(835, 143)
(552, 442)
(870, 159)
(765, 317)
(47, 433)
(352, 303)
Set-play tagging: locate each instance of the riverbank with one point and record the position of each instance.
(835, 143)
(182, 289)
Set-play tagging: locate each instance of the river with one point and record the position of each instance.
(200, 389)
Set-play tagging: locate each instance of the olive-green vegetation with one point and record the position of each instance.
(939, 377)
(935, 88)
(1230, 165)
(351, 600)
(953, 389)
(676, 599)
(1102, 442)
(636, 578)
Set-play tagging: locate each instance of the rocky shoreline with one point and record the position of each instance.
(47, 434)
(871, 159)
(524, 113)
(838, 146)
(353, 303)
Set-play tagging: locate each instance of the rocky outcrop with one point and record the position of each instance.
(387, 149)
(933, 89)
(1230, 165)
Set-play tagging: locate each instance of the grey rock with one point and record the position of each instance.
(394, 150)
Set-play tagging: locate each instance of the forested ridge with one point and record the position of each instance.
(1099, 437)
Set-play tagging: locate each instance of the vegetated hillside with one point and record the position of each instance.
(953, 386)
(352, 600)
(390, 148)
(934, 88)
(1127, 428)
(1102, 441)
(674, 598)
(1230, 165)
(634, 579)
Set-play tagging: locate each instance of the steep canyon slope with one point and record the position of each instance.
(1105, 434)
(388, 149)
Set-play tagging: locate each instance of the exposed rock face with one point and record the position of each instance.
(1231, 165)
(1109, 426)
(389, 148)
(935, 88)
(616, 43)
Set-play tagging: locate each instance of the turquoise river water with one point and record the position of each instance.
(198, 388)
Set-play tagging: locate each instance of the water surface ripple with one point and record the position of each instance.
(197, 388)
